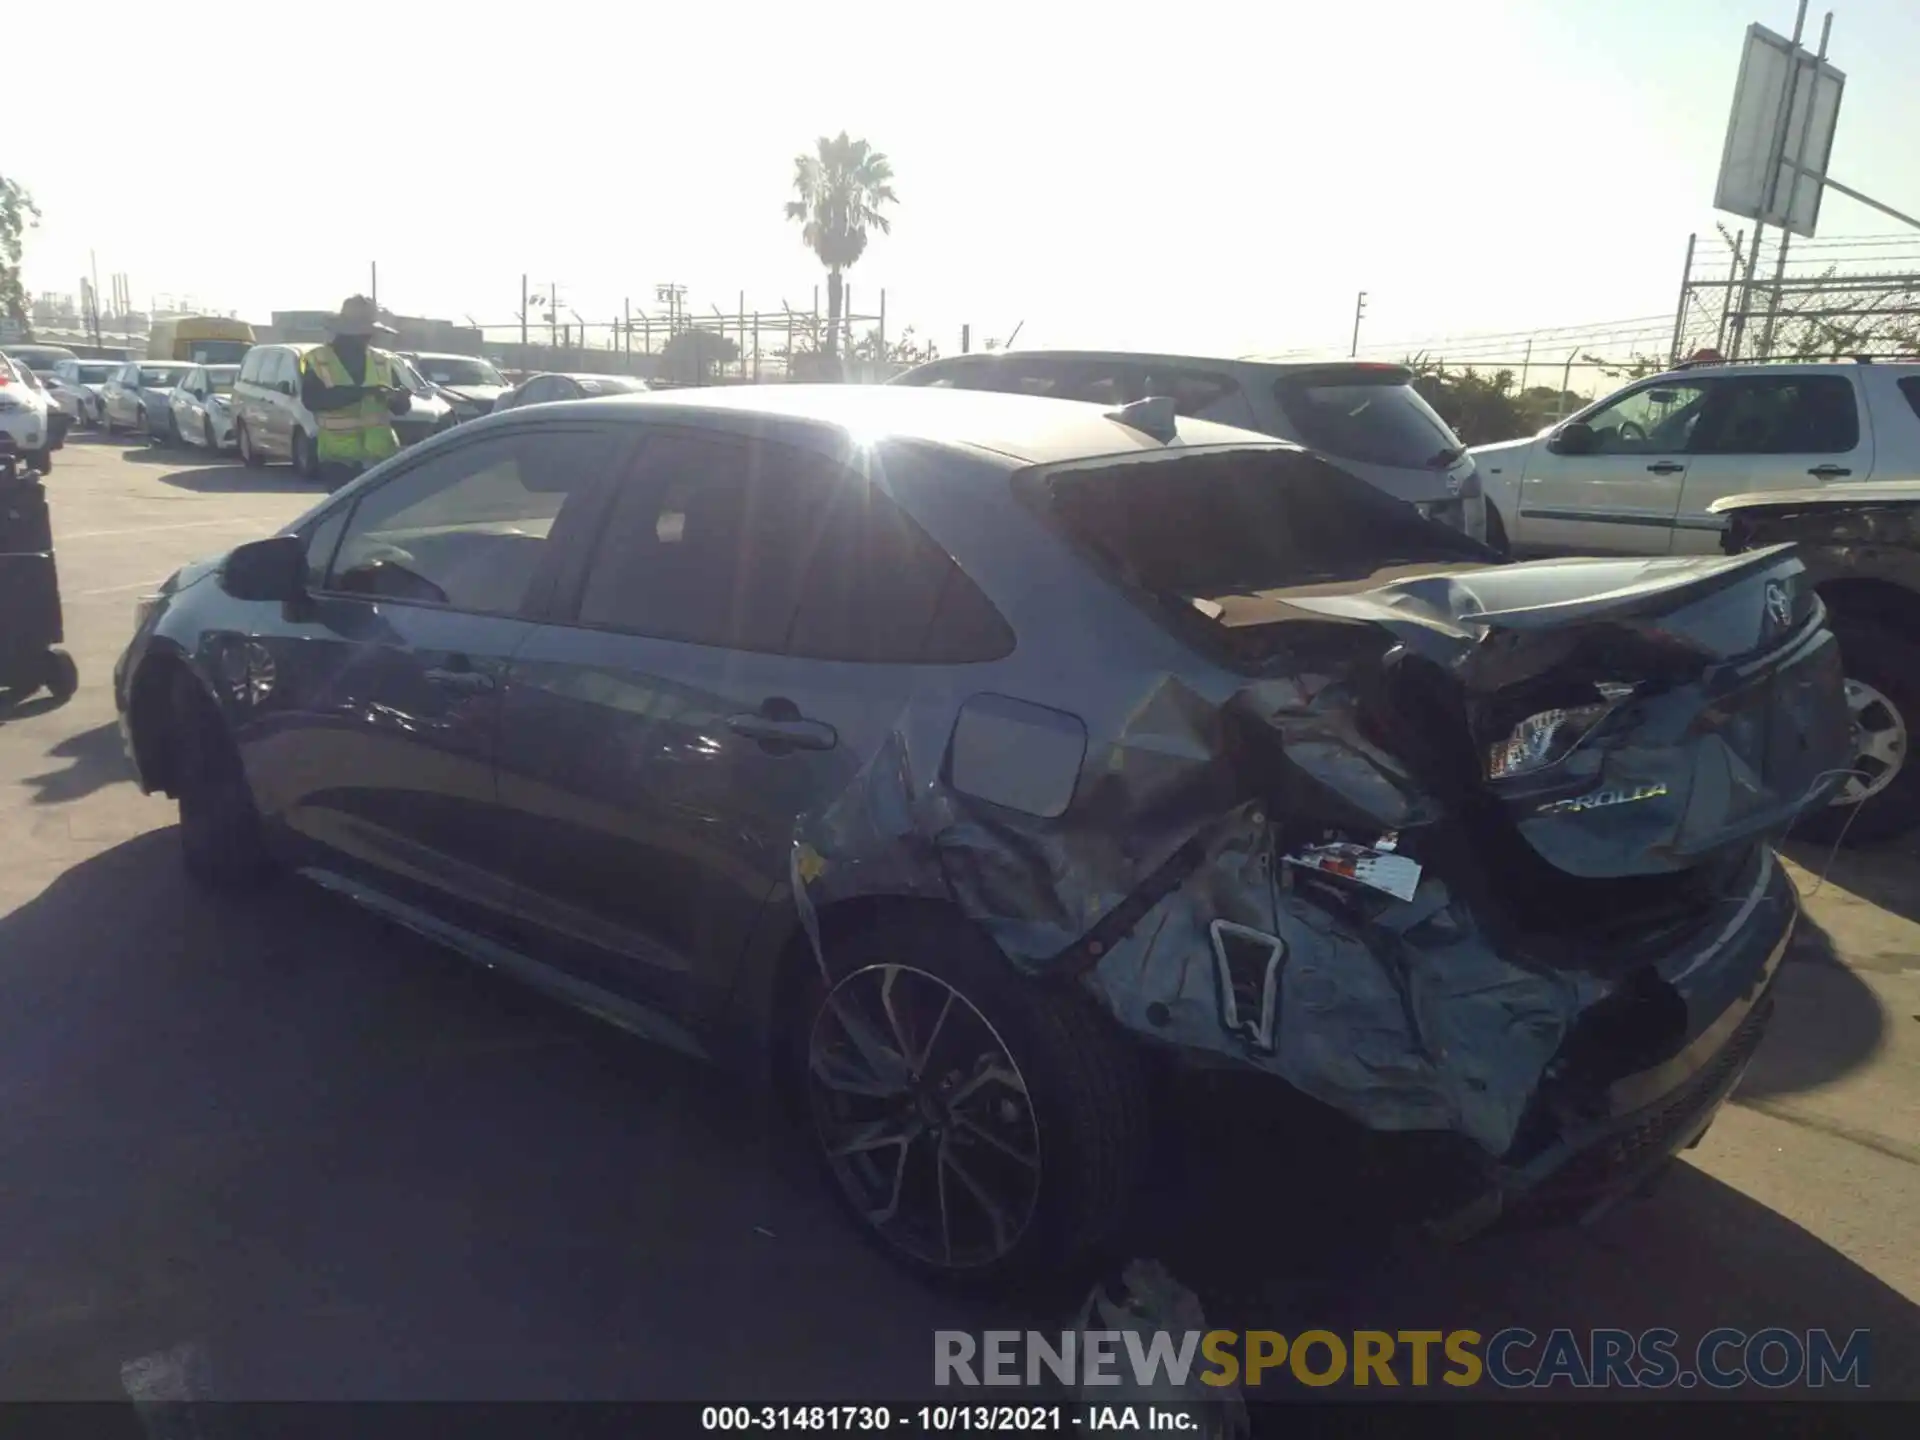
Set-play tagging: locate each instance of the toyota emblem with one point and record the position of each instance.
(1779, 606)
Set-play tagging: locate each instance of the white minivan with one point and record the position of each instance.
(270, 422)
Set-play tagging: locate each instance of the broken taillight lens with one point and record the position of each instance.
(1543, 739)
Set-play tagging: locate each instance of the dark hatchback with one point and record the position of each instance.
(960, 761)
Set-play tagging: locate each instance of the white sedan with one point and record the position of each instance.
(202, 405)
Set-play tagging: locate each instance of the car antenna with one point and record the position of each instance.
(1153, 415)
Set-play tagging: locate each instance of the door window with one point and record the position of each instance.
(1781, 415)
(1658, 419)
(250, 367)
(470, 527)
(725, 541)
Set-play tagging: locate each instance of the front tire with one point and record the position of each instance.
(207, 435)
(984, 1129)
(222, 839)
(249, 456)
(1883, 693)
(306, 462)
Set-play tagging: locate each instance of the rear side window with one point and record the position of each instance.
(1375, 422)
(1780, 415)
(1910, 387)
(731, 542)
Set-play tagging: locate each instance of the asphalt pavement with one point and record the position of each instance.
(330, 1161)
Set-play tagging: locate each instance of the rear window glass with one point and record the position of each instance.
(161, 377)
(1196, 393)
(96, 374)
(1242, 522)
(1910, 388)
(1380, 422)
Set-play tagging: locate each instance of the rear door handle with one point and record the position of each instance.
(795, 732)
(1829, 472)
(1666, 467)
(466, 681)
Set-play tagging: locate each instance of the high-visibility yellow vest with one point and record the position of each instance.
(361, 433)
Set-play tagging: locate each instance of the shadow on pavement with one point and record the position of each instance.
(96, 760)
(237, 479)
(1826, 1023)
(1886, 875)
(347, 1164)
(34, 702)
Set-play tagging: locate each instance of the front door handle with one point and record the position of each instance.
(1829, 472)
(785, 732)
(466, 681)
(1666, 467)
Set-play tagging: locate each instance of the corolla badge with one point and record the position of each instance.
(1779, 605)
(1601, 799)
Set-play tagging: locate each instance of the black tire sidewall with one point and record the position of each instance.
(1889, 661)
(1060, 1245)
(221, 838)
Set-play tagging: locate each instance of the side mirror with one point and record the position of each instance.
(270, 569)
(1573, 438)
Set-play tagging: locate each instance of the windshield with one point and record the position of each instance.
(161, 377)
(608, 384)
(449, 370)
(410, 377)
(96, 374)
(1376, 422)
(220, 378)
(1244, 521)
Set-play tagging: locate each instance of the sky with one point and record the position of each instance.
(1213, 180)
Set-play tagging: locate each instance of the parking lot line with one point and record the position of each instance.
(234, 520)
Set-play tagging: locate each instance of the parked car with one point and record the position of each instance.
(955, 760)
(81, 386)
(43, 360)
(553, 385)
(1861, 547)
(1638, 472)
(26, 427)
(1368, 418)
(467, 382)
(270, 422)
(430, 411)
(202, 406)
(139, 397)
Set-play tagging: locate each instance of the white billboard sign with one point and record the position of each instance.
(1780, 85)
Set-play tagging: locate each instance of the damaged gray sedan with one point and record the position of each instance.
(959, 760)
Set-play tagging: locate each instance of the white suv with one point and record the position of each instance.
(1637, 472)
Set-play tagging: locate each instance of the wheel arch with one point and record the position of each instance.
(772, 978)
(1864, 598)
(151, 716)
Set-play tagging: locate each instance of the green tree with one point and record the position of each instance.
(18, 214)
(844, 188)
(689, 358)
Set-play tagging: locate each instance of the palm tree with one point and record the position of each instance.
(842, 188)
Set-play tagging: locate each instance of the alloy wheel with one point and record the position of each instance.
(1879, 743)
(924, 1117)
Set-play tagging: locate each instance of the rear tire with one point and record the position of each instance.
(1068, 1095)
(59, 675)
(1883, 682)
(222, 839)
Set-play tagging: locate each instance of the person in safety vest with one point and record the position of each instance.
(354, 393)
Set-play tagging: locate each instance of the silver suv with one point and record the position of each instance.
(1365, 417)
(1638, 472)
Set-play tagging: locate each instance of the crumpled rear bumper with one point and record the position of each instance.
(1590, 1167)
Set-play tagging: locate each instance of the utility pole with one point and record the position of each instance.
(373, 279)
(553, 313)
(1359, 309)
(523, 312)
(628, 331)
